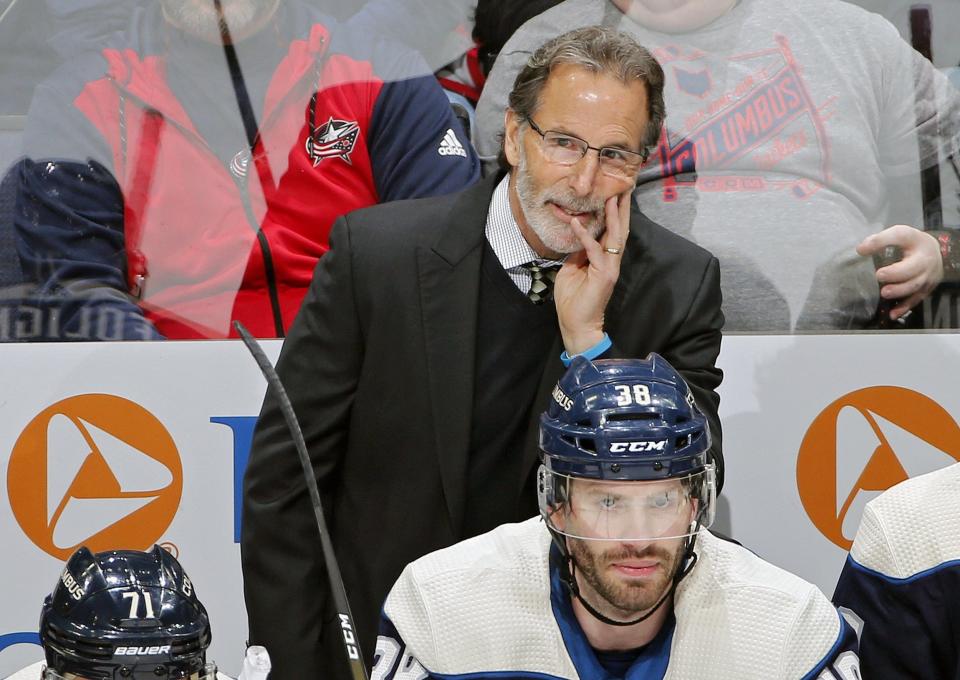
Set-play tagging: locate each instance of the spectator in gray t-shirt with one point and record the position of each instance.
(794, 137)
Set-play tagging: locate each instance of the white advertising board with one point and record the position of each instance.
(171, 422)
(138, 443)
(815, 426)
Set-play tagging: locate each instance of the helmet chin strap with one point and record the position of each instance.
(688, 561)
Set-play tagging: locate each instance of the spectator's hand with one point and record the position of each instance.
(912, 278)
(585, 282)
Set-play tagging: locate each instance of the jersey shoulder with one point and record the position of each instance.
(720, 604)
(462, 610)
(912, 527)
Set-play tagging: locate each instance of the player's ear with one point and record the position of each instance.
(511, 137)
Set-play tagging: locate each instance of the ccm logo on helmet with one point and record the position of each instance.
(71, 584)
(637, 447)
(142, 651)
(558, 396)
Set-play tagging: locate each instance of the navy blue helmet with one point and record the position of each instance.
(620, 421)
(630, 419)
(123, 615)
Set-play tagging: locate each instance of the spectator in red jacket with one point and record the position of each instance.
(187, 173)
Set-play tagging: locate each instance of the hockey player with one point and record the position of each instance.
(901, 580)
(619, 577)
(123, 615)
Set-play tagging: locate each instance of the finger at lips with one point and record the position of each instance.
(590, 245)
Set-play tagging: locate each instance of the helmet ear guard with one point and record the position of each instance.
(708, 513)
(544, 487)
(546, 491)
(551, 495)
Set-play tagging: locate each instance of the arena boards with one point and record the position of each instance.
(138, 443)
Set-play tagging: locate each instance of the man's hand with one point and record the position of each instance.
(913, 278)
(585, 282)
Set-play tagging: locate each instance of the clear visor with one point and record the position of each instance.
(209, 672)
(614, 510)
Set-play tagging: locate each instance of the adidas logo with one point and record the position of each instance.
(451, 146)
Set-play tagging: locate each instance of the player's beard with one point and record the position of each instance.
(555, 234)
(199, 17)
(623, 597)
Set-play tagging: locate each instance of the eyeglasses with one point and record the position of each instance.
(564, 149)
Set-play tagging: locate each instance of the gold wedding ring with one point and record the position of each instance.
(612, 251)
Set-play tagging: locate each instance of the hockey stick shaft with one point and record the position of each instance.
(344, 616)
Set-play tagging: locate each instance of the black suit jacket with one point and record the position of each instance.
(379, 366)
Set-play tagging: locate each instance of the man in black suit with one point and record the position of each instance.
(427, 344)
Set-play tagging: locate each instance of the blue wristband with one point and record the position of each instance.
(590, 352)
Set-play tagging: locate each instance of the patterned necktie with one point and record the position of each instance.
(541, 285)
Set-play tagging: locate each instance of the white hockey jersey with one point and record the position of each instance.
(902, 579)
(494, 606)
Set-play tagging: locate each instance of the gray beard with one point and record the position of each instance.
(199, 17)
(555, 235)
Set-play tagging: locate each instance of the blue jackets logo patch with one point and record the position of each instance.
(335, 138)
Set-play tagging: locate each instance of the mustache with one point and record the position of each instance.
(574, 203)
(628, 552)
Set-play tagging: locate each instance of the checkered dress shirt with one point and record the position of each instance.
(508, 244)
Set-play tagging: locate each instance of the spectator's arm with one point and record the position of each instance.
(416, 143)
(913, 277)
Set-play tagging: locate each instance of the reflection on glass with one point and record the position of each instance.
(183, 169)
(793, 133)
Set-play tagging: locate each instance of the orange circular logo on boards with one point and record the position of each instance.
(95, 470)
(864, 443)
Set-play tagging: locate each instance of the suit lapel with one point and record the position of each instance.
(449, 272)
